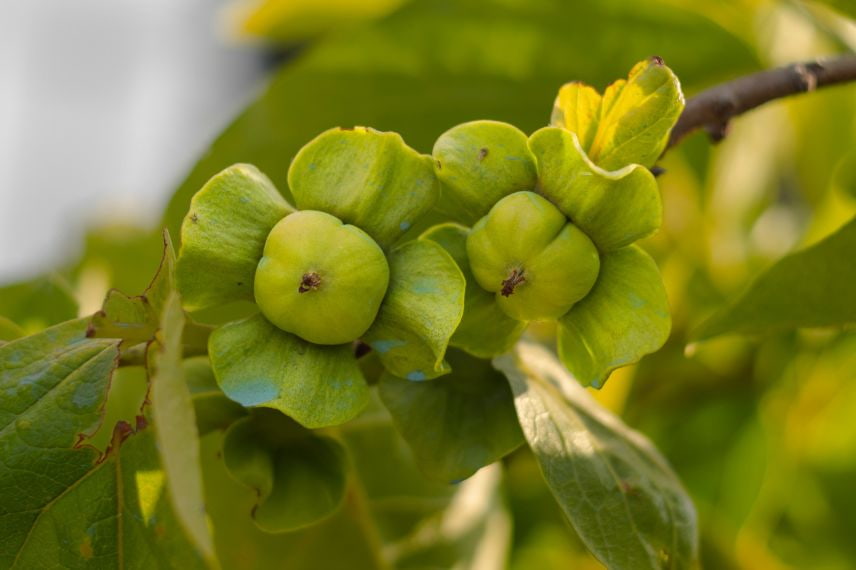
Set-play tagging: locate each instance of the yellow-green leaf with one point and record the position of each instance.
(634, 119)
(810, 288)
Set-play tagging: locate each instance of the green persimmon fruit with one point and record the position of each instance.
(537, 262)
(321, 279)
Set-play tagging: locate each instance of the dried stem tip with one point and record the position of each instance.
(309, 282)
(515, 279)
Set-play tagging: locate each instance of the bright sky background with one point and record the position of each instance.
(104, 106)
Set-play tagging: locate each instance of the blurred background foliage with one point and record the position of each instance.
(760, 429)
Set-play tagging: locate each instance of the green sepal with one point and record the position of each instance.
(366, 178)
(257, 364)
(422, 308)
(485, 329)
(478, 163)
(223, 236)
(614, 209)
(634, 118)
(456, 424)
(623, 318)
(299, 477)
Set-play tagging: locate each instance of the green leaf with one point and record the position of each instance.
(623, 318)
(175, 427)
(366, 178)
(131, 319)
(473, 531)
(291, 21)
(53, 384)
(616, 489)
(95, 510)
(478, 163)
(420, 522)
(299, 477)
(614, 209)
(137, 319)
(257, 364)
(843, 6)
(39, 303)
(398, 504)
(421, 310)
(809, 288)
(635, 117)
(9, 330)
(124, 255)
(116, 516)
(456, 424)
(223, 236)
(485, 329)
(341, 541)
(845, 173)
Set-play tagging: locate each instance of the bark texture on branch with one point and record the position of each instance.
(713, 108)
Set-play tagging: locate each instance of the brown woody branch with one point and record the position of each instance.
(713, 108)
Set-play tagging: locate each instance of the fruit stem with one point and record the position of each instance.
(515, 279)
(309, 282)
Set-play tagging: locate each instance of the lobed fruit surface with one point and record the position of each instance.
(321, 279)
(536, 261)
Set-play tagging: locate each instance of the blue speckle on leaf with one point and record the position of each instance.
(384, 346)
(252, 392)
(636, 301)
(404, 226)
(311, 166)
(416, 376)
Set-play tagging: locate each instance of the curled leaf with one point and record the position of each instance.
(614, 209)
(623, 318)
(421, 310)
(364, 177)
(299, 477)
(257, 364)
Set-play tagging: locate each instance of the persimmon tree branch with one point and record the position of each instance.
(713, 108)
